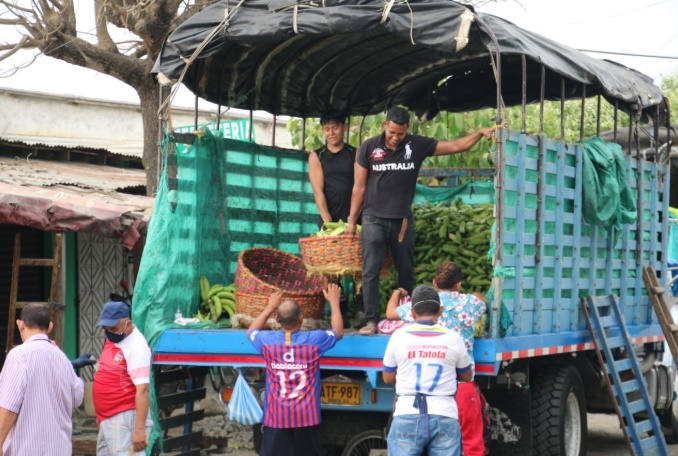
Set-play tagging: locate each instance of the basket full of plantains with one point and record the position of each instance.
(332, 253)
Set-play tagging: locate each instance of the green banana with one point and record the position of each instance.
(217, 307)
(204, 287)
(229, 311)
(214, 289)
(223, 294)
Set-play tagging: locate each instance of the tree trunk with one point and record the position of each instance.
(149, 96)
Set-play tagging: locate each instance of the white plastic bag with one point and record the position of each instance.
(243, 408)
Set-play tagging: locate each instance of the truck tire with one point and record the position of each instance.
(558, 413)
(363, 443)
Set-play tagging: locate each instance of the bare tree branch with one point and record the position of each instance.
(13, 49)
(103, 38)
(12, 6)
(50, 26)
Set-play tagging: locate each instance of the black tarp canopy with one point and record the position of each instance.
(299, 58)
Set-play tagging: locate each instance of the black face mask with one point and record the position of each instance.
(115, 338)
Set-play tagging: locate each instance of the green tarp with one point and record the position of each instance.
(607, 200)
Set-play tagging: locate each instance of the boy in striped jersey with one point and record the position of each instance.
(292, 403)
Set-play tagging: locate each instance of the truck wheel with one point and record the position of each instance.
(363, 443)
(558, 413)
(669, 418)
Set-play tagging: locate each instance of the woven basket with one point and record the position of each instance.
(263, 271)
(335, 256)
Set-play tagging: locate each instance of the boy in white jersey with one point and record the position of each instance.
(428, 359)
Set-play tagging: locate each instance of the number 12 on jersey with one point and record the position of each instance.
(282, 380)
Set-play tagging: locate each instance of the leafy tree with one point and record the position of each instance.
(453, 125)
(54, 28)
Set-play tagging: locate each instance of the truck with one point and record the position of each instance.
(541, 374)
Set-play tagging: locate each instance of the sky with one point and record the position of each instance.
(645, 27)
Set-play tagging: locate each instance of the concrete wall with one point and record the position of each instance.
(38, 118)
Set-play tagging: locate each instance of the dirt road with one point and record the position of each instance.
(605, 439)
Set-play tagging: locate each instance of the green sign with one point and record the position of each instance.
(232, 129)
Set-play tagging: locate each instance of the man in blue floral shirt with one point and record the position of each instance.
(460, 312)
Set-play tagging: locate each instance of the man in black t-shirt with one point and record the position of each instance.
(330, 171)
(385, 178)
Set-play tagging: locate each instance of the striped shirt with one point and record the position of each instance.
(38, 383)
(292, 375)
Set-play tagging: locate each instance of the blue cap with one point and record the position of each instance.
(112, 313)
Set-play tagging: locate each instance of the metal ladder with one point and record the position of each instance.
(623, 376)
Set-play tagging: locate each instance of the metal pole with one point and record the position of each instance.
(303, 133)
(598, 117)
(275, 121)
(583, 108)
(562, 108)
(616, 114)
(249, 130)
(542, 94)
(523, 61)
(159, 154)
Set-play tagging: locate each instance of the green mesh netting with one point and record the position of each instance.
(607, 199)
(230, 196)
(471, 192)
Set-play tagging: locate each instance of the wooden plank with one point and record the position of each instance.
(43, 262)
(182, 440)
(181, 398)
(55, 295)
(180, 420)
(661, 309)
(180, 374)
(14, 291)
(22, 304)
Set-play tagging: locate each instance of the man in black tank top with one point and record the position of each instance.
(330, 171)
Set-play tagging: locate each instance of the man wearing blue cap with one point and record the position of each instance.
(120, 388)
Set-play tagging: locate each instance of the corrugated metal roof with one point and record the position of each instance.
(124, 148)
(41, 173)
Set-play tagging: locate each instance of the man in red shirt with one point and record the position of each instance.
(120, 388)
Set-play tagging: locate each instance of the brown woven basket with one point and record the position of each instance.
(335, 256)
(263, 271)
(253, 305)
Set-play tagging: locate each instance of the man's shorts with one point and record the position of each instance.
(306, 441)
(115, 435)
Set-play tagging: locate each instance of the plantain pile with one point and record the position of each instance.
(335, 229)
(216, 300)
(449, 232)
(456, 232)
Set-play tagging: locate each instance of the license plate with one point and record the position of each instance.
(341, 393)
